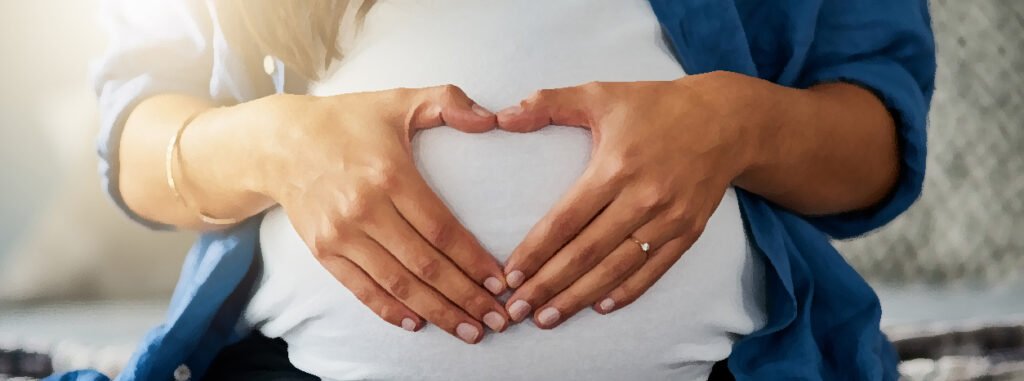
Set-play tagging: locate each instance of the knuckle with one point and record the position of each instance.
(396, 285)
(383, 174)
(427, 268)
(541, 96)
(625, 265)
(442, 316)
(691, 219)
(686, 224)
(540, 292)
(387, 310)
(440, 234)
(324, 247)
(478, 303)
(562, 226)
(642, 206)
(628, 293)
(592, 87)
(449, 91)
(694, 230)
(567, 301)
(615, 167)
(364, 294)
(356, 208)
(631, 151)
(585, 257)
(449, 88)
(675, 216)
(475, 266)
(321, 248)
(651, 196)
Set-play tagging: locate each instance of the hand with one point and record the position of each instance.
(342, 170)
(664, 155)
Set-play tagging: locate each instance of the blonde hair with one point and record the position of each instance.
(303, 34)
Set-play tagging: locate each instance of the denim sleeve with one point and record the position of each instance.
(154, 47)
(887, 47)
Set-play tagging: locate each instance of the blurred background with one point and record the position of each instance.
(80, 284)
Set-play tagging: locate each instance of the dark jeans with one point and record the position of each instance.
(258, 358)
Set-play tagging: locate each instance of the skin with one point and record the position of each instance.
(342, 169)
(664, 155)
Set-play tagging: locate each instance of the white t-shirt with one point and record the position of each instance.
(499, 185)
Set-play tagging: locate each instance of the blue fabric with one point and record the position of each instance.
(823, 319)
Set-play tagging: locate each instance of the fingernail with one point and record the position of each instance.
(548, 316)
(607, 304)
(512, 110)
(481, 111)
(519, 309)
(495, 321)
(467, 332)
(408, 325)
(493, 285)
(515, 279)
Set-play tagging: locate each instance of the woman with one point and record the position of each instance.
(498, 184)
(816, 116)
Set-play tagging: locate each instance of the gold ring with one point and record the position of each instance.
(643, 245)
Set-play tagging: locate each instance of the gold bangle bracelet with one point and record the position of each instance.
(173, 146)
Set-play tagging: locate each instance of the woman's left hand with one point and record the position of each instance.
(664, 154)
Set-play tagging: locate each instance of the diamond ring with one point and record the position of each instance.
(643, 245)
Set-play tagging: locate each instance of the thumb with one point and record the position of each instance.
(448, 105)
(565, 106)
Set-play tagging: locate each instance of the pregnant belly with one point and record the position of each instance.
(499, 184)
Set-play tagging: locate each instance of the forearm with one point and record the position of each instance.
(216, 167)
(828, 149)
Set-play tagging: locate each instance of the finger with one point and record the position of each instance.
(430, 266)
(370, 293)
(664, 228)
(636, 284)
(584, 200)
(404, 286)
(596, 283)
(599, 238)
(563, 106)
(677, 220)
(420, 206)
(449, 105)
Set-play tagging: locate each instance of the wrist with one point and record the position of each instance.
(273, 123)
(742, 118)
(766, 113)
(235, 155)
(289, 138)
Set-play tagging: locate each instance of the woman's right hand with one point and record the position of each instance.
(342, 169)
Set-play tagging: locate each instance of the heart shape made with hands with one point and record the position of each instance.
(500, 183)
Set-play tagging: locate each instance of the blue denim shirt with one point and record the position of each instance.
(823, 319)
